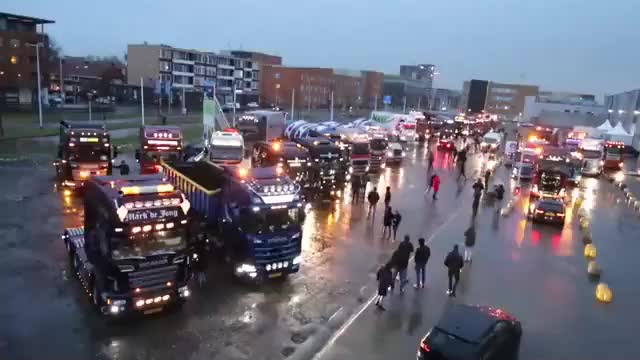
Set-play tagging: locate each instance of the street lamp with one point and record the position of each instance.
(620, 112)
(38, 46)
(636, 112)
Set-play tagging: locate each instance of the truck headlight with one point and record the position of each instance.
(389, 153)
(404, 154)
(619, 177)
(297, 260)
(184, 292)
(114, 309)
(245, 268)
(296, 235)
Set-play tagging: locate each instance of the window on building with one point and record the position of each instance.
(502, 90)
(165, 66)
(247, 84)
(503, 98)
(165, 53)
(14, 43)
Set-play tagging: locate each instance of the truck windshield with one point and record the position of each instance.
(591, 154)
(268, 221)
(148, 244)
(378, 144)
(89, 152)
(360, 149)
(226, 152)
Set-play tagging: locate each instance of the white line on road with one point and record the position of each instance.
(364, 307)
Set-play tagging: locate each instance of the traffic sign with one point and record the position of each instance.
(387, 99)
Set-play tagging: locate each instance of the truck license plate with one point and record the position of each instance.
(275, 275)
(152, 311)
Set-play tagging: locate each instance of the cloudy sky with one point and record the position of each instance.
(564, 45)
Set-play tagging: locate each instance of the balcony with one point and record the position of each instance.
(181, 61)
(182, 73)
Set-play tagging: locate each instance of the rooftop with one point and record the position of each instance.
(25, 19)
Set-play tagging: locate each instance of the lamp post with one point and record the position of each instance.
(38, 46)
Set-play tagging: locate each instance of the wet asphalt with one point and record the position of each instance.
(536, 272)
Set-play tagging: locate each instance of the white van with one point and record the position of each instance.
(491, 141)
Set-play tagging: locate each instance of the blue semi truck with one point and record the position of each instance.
(253, 216)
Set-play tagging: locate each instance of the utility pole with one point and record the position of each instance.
(375, 103)
(142, 98)
(62, 92)
(293, 101)
(331, 109)
(419, 98)
(89, 97)
(404, 104)
(37, 46)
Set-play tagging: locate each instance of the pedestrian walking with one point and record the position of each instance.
(487, 175)
(124, 168)
(469, 242)
(430, 159)
(373, 197)
(499, 189)
(454, 263)
(423, 253)
(387, 196)
(387, 220)
(395, 223)
(355, 189)
(385, 280)
(462, 160)
(478, 188)
(403, 254)
(436, 186)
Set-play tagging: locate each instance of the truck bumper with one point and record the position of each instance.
(149, 302)
(277, 269)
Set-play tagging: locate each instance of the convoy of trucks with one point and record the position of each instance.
(158, 143)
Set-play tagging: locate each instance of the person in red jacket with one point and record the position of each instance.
(436, 186)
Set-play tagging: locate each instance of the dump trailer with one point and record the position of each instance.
(252, 216)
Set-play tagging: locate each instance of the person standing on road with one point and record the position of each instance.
(478, 188)
(436, 186)
(124, 168)
(469, 242)
(373, 197)
(430, 159)
(423, 252)
(462, 160)
(487, 175)
(387, 196)
(385, 280)
(499, 196)
(402, 260)
(355, 189)
(387, 220)
(395, 223)
(454, 264)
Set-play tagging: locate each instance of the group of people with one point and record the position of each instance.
(397, 266)
(391, 219)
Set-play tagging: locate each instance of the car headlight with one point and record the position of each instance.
(619, 177)
(297, 260)
(296, 235)
(389, 153)
(404, 154)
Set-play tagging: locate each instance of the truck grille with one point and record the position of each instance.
(152, 277)
(266, 253)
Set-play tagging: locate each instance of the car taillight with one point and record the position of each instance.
(538, 211)
(157, 168)
(560, 214)
(425, 347)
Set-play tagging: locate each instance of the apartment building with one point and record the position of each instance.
(168, 68)
(18, 59)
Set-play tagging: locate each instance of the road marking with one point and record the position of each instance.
(364, 307)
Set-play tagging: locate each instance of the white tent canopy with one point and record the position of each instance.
(605, 126)
(618, 133)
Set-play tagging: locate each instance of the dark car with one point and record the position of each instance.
(445, 144)
(470, 332)
(548, 210)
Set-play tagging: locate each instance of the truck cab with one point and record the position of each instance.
(133, 253)
(613, 151)
(323, 170)
(226, 147)
(378, 146)
(158, 143)
(356, 150)
(292, 158)
(592, 151)
(261, 125)
(395, 153)
(252, 216)
(549, 182)
(84, 151)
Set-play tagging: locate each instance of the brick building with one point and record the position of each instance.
(313, 87)
(18, 73)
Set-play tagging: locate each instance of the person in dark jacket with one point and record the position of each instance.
(387, 220)
(469, 242)
(402, 260)
(421, 258)
(356, 183)
(373, 197)
(499, 189)
(395, 223)
(387, 196)
(478, 188)
(385, 279)
(454, 263)
(430, 159)
(124, 168)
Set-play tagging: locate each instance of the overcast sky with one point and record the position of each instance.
(564, 45)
